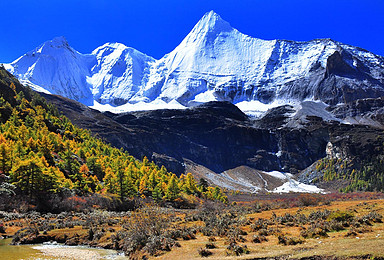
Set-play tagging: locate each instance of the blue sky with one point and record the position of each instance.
(156, 27)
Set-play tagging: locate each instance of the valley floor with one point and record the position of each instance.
(337, 246)
(325, 227)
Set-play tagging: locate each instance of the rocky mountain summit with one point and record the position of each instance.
(214, 62)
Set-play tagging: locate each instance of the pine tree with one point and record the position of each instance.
(28, 175)
(173, 190)
(53, 179)
(143, 188)
(203, 185)
(5, 159)
(120, 174)
(157, 195)
(190, 184)
(95, 167)
(45, 147)
(70, 166)
(130, 186)
(110, 181)
(152, 180)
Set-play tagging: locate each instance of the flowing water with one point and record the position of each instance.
(52, 251)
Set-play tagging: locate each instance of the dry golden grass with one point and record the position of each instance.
(370, 243)
(337, 244)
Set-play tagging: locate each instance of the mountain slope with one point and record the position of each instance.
(36, 139)
(45, 159)
(213, 62)
(216, 141)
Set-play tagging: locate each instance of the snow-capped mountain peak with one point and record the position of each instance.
(209, 26)
(213, 62)
(57, 42)
(56, 45)
(118, 74)
(109, 46)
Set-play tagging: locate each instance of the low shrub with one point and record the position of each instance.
(355, 230)
(23, 233)
(374, 217)
(335, 226)
(306, 200)
(204, 252)
(286, 219)
(188, 233)
(289, 240)
(273, 231)
(350, 233)
(2, 228)
(313, 233)
(259, 239)
(340, 216)
(260, 224)
(236, 232)
(211, 239)
(158, 243)
(264, 232)
(210, 245)
(234, 249)
(146, 230)
(318, 215)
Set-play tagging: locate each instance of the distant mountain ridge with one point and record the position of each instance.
(214, 62)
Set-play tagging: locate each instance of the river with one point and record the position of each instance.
(52, 251)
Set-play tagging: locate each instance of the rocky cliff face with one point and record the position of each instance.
(216, 135)
(219, 142)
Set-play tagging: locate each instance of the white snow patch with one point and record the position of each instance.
(34, 86)
(255, 108)
(8, 67)
(205, 96)
(294, 186)
(278, 175)
(140, 106)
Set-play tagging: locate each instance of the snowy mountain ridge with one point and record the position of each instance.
(213, 62)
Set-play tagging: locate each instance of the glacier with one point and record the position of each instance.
(214, 62)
